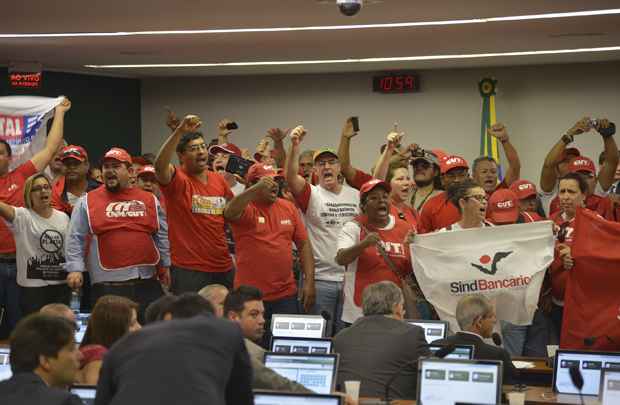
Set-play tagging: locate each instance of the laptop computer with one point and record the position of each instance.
(317, 372)
(301, 345)
(86, 393)
(449, 381)
(433, 330)
(81, 319)
(610, 387)
(5, 363)
(590, 364)
(308, 326)
(463, 352)
(286, 398)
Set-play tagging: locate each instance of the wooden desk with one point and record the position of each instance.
(540, 375)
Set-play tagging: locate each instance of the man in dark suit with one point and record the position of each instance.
(194, 361)
(380, 345)
(44, 362)
(476, 318)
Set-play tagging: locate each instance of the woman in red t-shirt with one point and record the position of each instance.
(112, 318)
(400, 182)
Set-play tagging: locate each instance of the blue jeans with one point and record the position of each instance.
(328, 302)
(514, 337)
(9, 298)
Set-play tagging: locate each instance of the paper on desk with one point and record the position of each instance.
(523, 364)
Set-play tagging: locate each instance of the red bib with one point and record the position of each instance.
(124, 223)
(371, 267)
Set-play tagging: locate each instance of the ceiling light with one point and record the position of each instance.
(362, 60)
(318, 28)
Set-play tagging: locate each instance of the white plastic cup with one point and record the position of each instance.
(516, 398)
(352, 388)
(551, 349)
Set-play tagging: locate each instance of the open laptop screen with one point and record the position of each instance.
(433, 330)
(301, 345)
(309, 326)
(590, 364)
(463, 352)
(283, 398)
(82, 321)
(610, 387)
(317, 372)
(464, 381)
(5, 364)
(86, 393)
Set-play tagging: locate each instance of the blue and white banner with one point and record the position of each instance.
(23, 124)
(504, 263)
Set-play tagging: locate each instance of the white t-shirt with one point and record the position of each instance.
(72, 198)
(325, 216)
(350, 236)
(39, 245)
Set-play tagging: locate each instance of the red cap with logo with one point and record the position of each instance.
(229, 148)
(523, 189)
(118, 154)
(503, 207)
(258, 171)
(146, 170)
(582, 164)
(452, 162)
(372, 184)
(73, 152)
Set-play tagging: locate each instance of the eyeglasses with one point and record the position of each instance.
(45, 187)
(331, 162)
(479, 197)
(197, 147)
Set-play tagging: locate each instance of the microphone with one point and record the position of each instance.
(577, 378)
(497, 339)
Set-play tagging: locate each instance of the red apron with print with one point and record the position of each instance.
(124, 223)
(371, 267)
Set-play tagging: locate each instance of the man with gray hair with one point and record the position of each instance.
(380, 345)
(216, 294)
(476, 318)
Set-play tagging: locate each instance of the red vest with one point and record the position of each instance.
(124, 223)
(371, 267)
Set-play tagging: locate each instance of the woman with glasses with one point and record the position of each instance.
(39, 231)
(471, 201)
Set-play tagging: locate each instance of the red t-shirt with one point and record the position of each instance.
(12, 193)
(438, 213)
(405, 213)
(263, 238)
(92, 353)
(196, 222)
(359, 179)
(608, 210)
(592, 203)
(559, 275)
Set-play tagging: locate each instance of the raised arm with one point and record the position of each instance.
(383, 164)
(163, 168)
(278, 135)
(222, 131)
(344, 151)
(235, 207)
(7, 212)
(608, 169)
(548, 175)
(54, 138)
(513, 171)
(296, 183)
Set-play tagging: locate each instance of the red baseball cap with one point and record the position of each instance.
(372, 184)
(118, 154)
(258, 171)
(147, 169)
(73, 152)
(582, 164)
(452, 162)
(523, 189)
(229, 148)
(503, 207)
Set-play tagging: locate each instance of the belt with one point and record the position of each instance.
(7, 260)
(133, 281)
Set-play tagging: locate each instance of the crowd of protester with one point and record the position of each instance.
(141, 240)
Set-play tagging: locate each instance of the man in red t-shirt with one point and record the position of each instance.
(585, 167)
(12, 192)
(527, 198)
(195, 201)
(438, 211)
(264, 227)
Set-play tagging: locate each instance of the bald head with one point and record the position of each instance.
(59, 310)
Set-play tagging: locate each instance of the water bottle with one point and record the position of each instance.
(75, 301)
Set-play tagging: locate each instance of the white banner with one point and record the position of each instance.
(504, 263)
(23, 122)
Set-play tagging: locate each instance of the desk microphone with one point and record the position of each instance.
(497, 339)
(440, 354)
(577, 378)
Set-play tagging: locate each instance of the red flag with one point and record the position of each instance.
(592, 298)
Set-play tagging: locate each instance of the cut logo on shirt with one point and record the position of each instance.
(124, 209)
(208, 205)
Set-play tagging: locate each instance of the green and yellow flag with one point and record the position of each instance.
(489, 144)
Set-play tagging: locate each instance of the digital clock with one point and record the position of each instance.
(396, 83)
